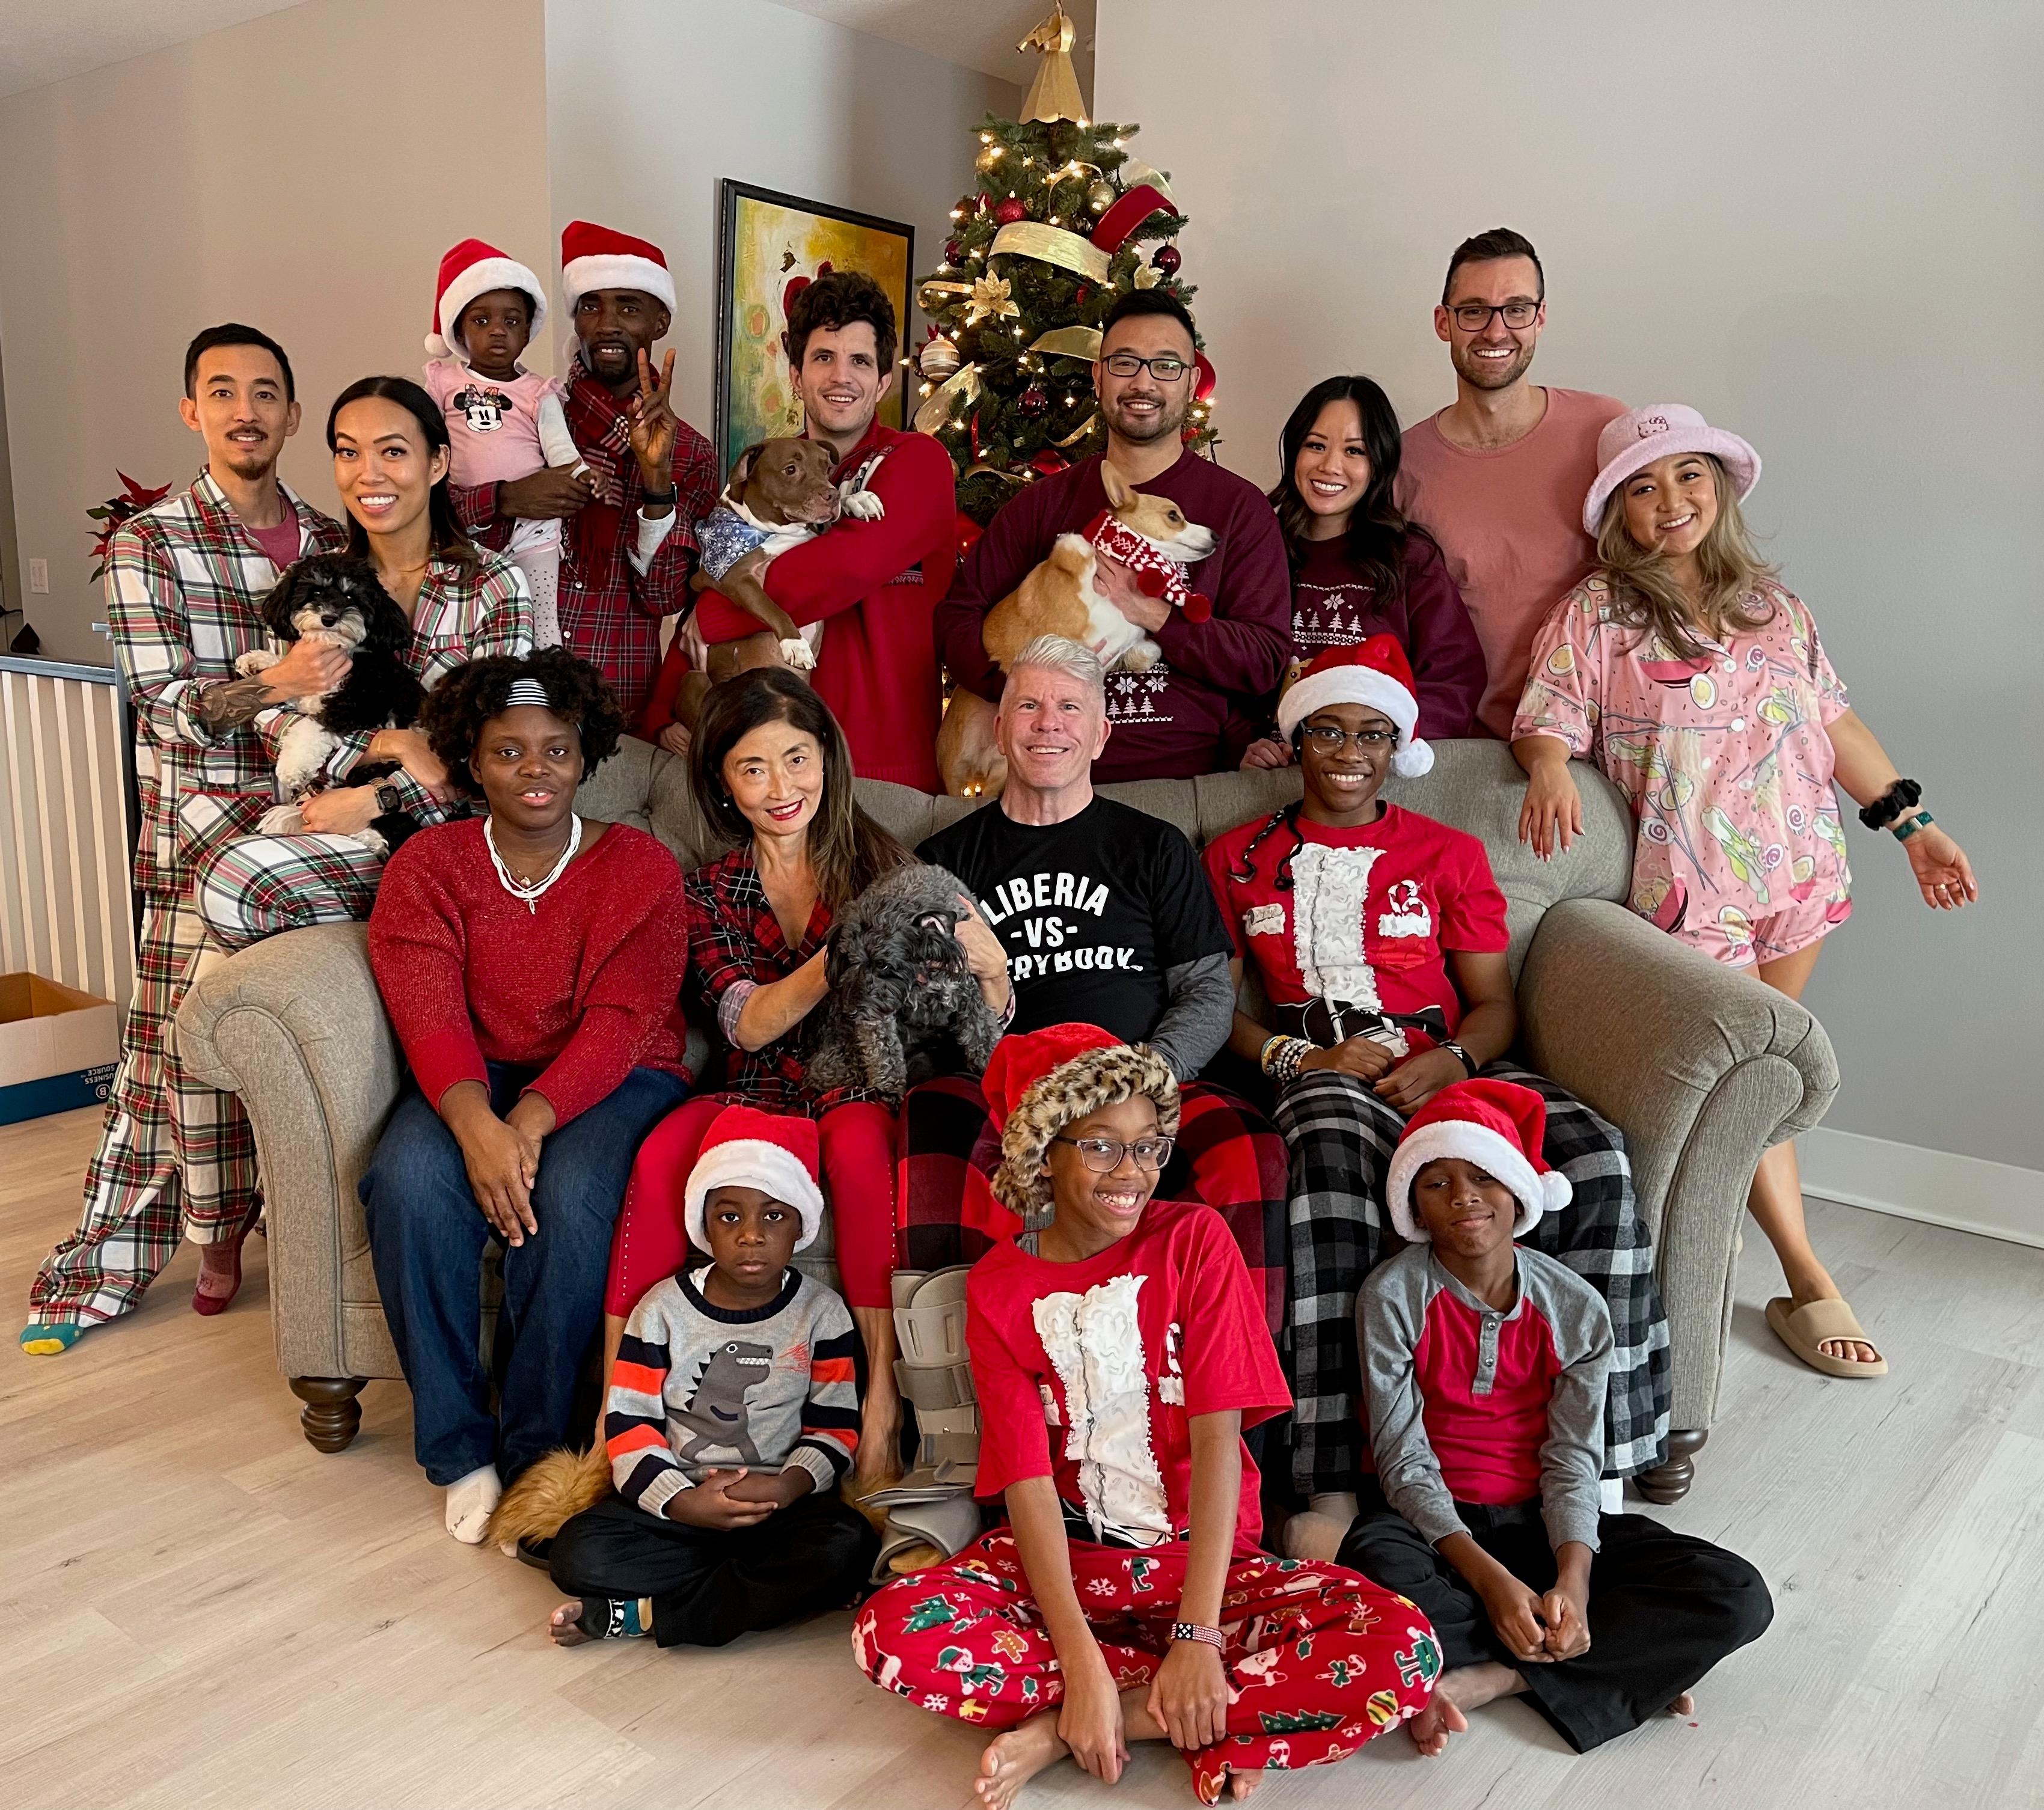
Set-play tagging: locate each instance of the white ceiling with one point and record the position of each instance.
(41, 42)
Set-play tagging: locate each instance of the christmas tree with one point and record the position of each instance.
(1063, 224)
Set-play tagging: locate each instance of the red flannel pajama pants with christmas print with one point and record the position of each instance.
(1318, 1659)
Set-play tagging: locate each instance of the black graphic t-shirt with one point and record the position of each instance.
(1092, 910)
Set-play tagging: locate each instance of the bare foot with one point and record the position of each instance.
(1466, 1687)
(1686, 1704)
(1431, 1728)
(879, 1460)
(1243, 1783)
(1012, 1759)
(1819, 1287)
(564, 1625)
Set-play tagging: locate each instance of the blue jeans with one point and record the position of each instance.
(427, 1237)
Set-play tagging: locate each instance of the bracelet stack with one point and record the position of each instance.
(1281, 1055)
(1899, 797)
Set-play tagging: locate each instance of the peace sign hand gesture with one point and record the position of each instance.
(653, 424)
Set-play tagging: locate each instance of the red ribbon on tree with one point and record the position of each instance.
(1128, 213)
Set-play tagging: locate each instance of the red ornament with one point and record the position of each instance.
(1080, 294)
(1167, 259)
(954, 251)
(1034, 400)
(1010, 211)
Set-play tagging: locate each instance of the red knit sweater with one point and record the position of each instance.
(586, 988)
(878, 584)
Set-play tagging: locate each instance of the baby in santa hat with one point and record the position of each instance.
(1118, 1348)
(1486, 1364)
(503, 421)
(732, 1415)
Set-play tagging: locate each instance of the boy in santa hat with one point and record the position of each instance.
(1118, 1349)
(503, 421)
(1485, 1365)
(732, 1415)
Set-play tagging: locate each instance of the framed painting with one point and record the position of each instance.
(771, 243)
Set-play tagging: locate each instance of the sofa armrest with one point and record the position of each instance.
(1703, 1068)
(294, 1026)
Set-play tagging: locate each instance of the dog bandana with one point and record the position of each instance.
(1157, 574)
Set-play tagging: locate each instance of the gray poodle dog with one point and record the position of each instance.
(902, 1005)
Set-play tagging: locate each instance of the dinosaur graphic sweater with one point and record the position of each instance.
(697, 1387)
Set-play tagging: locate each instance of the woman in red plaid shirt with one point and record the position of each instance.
(770, 764)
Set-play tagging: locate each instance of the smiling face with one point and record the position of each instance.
(775, 776)
(1097, 1209)
(238, 407)
(839, 381)
(614, 326)
(382, 467)
(1139, 409)
(528, 762)
(494, 328)
(1051, 728)
(1671, 505)
(1342, 783)
(1466, 1210)
(1495, 356)
(751, 1235)
(1332, 470)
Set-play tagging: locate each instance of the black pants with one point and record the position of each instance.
(710, 1586)
(1664, 1608)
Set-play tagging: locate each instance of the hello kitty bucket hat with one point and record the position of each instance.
(1661, 430)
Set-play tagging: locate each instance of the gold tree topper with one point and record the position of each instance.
(1054, 94)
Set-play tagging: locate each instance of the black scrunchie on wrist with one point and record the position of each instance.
(1899, 797)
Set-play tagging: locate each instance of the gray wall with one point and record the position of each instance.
(1820, 224)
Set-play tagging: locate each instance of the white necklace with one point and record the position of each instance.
(519, 888)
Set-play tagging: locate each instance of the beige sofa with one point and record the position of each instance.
(1701, 1067)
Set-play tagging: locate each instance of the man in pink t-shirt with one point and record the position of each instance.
(1500, 475)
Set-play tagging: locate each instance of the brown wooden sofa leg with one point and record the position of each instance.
(1666, 1483)
(332, 1417)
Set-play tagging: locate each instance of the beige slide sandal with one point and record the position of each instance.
(1803, 1329)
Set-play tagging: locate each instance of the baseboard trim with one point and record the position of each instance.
(1910, 1181)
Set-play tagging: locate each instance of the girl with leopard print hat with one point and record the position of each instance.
(1130, 1326)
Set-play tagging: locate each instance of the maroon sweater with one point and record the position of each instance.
(1172, 722)
(584, 989)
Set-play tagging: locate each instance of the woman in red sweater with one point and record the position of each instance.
(531, 965)
(770, 765)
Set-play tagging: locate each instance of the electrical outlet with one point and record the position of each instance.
(39, 577)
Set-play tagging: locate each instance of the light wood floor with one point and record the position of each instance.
(199, 1610)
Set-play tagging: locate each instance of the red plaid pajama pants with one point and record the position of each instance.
(172, 1152)
(1318, 1659)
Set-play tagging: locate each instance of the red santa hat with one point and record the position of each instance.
(474, 268)
(1038, 1083)
(745, 1147)
(1377, 675)
(597, 257)
(1498, 1125)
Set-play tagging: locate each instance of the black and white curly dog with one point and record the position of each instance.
(337, 597)
(902, 1005)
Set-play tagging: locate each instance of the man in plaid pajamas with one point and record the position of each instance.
(630, 545)
(185, 582)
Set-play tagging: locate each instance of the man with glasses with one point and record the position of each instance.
(1498, 476)
(1191, 713)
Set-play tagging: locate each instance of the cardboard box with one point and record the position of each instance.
(58, 1047)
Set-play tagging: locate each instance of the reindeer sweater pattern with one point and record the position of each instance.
(697, 1387)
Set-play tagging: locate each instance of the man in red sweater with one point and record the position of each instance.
(1191, 712)
(874, 582)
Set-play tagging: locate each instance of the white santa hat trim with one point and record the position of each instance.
(752, 1162)
(1489, 1150)
(479, 279)
(1373, 691)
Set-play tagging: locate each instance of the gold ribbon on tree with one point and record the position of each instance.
(936, 409)
(1054, 94)
(1069, 342)
(1052, 245)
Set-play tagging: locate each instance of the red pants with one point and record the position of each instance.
(1318, 1657)
(858, 1139)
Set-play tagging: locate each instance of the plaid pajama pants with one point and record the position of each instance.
(1341, 1136)
(172, 1150)
(260, 886)
(1318, 1659)
(1228, 1156)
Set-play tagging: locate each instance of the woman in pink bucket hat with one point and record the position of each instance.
(1694, 679)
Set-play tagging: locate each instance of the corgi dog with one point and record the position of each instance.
(1059, 596)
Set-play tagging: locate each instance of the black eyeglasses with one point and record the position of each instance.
(1166, 369)
(1330, 739)
(1103, 1156)
(1474, 316)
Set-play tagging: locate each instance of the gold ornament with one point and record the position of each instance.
(990, 297)
(1100, 198)
(1054, 94)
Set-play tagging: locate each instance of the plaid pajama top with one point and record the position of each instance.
(185, 585)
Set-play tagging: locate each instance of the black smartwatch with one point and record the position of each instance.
(390, 801)
(1462, 1055)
